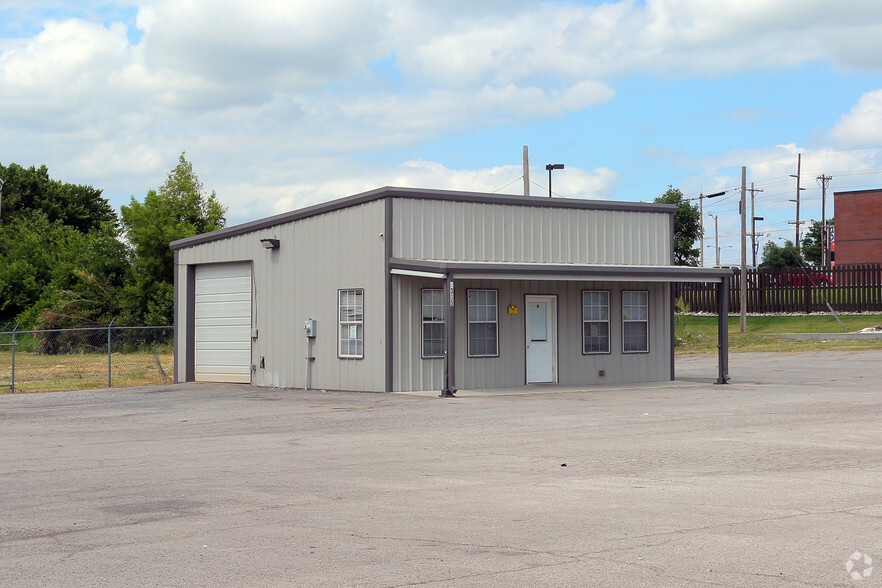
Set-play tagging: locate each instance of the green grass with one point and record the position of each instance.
(698, 334)
(80, 371)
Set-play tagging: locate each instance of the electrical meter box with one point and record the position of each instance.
(309, 328)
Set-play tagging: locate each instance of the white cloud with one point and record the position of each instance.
(62, 68)
(863, 125)
(506, 179)
(273, 98)
(268, 45)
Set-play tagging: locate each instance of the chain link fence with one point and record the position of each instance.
(77, 359)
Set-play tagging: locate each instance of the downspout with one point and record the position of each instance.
(389, 326)
(177, 299)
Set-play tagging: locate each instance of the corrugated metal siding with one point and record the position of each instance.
(410, 371)
(471, 231)
(509, 369)
(317, 256)
(619, 367)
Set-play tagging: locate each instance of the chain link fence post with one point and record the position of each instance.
(109, 355)
(11, 345)
(12, 386)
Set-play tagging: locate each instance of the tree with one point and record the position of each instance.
(687, 227)
(776, 256)
(812, 241)
(180, 208)
(31, 189)
(53, 232)
(42, 263)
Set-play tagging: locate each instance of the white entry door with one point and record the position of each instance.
(541, 338)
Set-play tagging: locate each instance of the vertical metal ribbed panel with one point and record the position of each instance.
(410, 370)
(474, 231)
(317, 256)
(509, 369)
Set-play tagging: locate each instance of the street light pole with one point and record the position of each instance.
(701, 198)
(550, 167)
(753, 237)
(716, 236)
(825, 246)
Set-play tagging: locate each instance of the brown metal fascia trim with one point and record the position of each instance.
(675, 273)
(535, 201)
(279, 219)
(419, 194)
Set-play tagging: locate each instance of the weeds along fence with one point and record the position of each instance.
(856, 288)
(77, 359)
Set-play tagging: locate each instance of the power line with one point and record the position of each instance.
(507, 185)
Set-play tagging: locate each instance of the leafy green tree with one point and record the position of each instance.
(777, 256)
(92, 292)
(31, 189)
(180, 208)
(44, 263)
(51, 233)
(812, 240)
(687, 227)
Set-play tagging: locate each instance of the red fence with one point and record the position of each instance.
(855, 288)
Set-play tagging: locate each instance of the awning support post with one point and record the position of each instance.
(449, 340)
(723, 330)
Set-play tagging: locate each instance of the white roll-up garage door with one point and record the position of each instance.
(223, 323)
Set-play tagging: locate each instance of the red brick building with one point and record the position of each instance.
(858, 216)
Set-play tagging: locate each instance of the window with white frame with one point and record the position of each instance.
(635, 321)
(350, 304)
(595, 321)
(483, 324)
(433, 323)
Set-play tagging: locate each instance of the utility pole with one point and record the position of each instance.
(798, 190)
(753, 220)
(526, 171)
(825, 246)
(701, 198)
(743, 303)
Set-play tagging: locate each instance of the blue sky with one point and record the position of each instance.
(284, 105)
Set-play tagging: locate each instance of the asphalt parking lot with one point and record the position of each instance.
(774, 479)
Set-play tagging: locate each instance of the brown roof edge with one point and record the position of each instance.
(422, 194)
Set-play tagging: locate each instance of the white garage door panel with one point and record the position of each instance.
(220, 340)
(223, 323)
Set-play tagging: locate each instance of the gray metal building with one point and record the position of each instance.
(402, 289)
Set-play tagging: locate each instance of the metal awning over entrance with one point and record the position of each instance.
(552, 271)
(450, 271)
